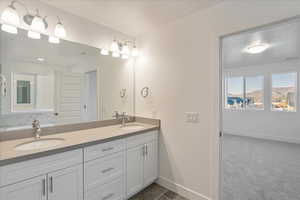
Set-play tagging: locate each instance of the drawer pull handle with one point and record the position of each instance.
(107, 149)
(51, 184)
(107, 170)
(108, 196)
(44, 187)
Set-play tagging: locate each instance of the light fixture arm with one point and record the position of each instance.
(58, 20)
(12, 4)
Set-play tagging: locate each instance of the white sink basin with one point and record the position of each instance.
(39, 144)
(132, 126)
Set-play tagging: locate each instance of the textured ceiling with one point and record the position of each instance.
(283, 39)
(132, 17)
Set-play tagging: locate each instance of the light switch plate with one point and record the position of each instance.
(192, 117)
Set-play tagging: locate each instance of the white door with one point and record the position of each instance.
(150, 163)
(90, 97)
(69, 97)
(32, 189)
(135, 160)
(66, 184)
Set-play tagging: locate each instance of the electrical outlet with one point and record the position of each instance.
(192, 117)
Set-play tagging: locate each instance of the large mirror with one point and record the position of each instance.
(60, 83)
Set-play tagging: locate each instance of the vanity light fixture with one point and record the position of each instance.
(53, 40)
(114, 46)
(41, 59)
(37, 24)
(59, 30)
(135, 51)
(10, 19)
(125, 56)
(122, 48)
(125, 49)
(34, 35)
(104, 51)
(256, 48)
(116, 54)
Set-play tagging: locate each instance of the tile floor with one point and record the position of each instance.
(156, 192)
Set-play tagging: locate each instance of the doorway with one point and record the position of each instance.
(260, 143)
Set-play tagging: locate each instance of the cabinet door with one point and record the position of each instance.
(66, 184)
(134, 163)
(33, 189)
(150, 162)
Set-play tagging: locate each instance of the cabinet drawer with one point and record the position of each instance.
(140, 139)
(112, 190)
(104, 169)
(31, 168)
(103, 149)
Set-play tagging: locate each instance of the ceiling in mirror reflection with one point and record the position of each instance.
(66, 54)
(283, 45)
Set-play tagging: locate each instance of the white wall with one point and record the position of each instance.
(114, 75)
(180, 65)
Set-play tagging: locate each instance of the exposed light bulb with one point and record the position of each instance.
(104, 52)
(41, 59)
(38, 25)
(10, 20)
(256, 48)
(60, 31)
(135, 51)
(115, 54)
(125, 56)
(54, 40)
(34, 35)
(9, 28)
(125, 49)
(114, 46)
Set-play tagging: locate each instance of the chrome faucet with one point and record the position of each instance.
(37, 128)
(116, 115)
(122, 116)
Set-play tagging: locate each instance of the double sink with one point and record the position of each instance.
(52, 142)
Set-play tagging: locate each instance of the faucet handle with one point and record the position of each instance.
(35, 123)
(116, 114)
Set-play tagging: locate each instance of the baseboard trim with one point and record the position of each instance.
(181, 190)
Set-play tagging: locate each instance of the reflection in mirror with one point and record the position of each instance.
(59, 83)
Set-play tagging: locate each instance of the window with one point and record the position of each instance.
(29, 93)
(254, 98)
(23, 92)
(284, 93)
(244, 92)
(234, 92)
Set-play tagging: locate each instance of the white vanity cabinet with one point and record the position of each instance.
(33, 189)
(113, 170)
(54, 177)
(104, 171)
(141, 162)
(66, 184)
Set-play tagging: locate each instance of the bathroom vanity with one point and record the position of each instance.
(104, 163)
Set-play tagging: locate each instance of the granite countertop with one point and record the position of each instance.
(72, 140)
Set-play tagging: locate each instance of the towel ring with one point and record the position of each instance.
(123, 93)
(145, 92)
